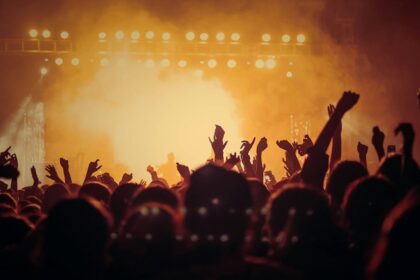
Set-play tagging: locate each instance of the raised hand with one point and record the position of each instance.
(246, 160)
(5, 156)
(92, 168)
(183, 170)
(231, 161)
(347, 101)
(362, 150)
(150, 169)
(152, 172)
(285, 145)
(217, 144)
(126, 178)
(262, 145)
(52, 173)
(64, 163)
(35, 178)
(246, 146)
(142, 183)
(305, 146)
(378, 139)
(407, 131)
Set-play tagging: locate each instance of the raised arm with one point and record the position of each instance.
(378, 139)
(291, 162)
(218, 145)
(362, 151)
(260, 167)
(66, 171)
(152, 172)
(246, 160)
(336, 141)
(92, 168)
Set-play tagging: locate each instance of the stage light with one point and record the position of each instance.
(270, 63)
(182, 63)
(235, 37)
(59, 61)
(104, 61)
(135, 35)
(43, 71)
(165, 62)
(212, 63)
(150, 35)
(266, 37)
(46, 33)
(119, 35)
(190, 36)
(75, 61)
(102, 35)
(33, 33)
(150, 63)
(285, 38)
(166, 36)
(231, 63)
(259, 63)
(289, 74)
(300, 38)
(220, 36)
(204, 36)
(64, 35)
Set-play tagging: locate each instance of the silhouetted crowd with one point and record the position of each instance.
(229, 219)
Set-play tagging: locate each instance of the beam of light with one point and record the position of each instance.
(119, 35)
(75, 61)
(285, 38)
(235, 37)
(150, 35)
(212, 63)
(102, 35)
(136, 110)
(33, 33)
(259, 63)
(300, 38)
(46, 33)
(182, 63)
(43, 71)
(204, 36)
(266, 37)
(166, 36)
(135, 35)
(231, 63)
(64, 35)
(190, 36)
(59, 61)
(270, 63)
(220, 36)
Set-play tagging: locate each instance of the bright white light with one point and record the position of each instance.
(150, 35)
(59, 61)
(182, 63)
(266, 37)
(220, 36)
(231, 63)
(270, 63)
(235, 37)
(46, 33)
(119, 35)
(43, 71)
(102, 35)
(33, 33)
(75, 61)
(104, 61)
(300, 38)
(135, 35)
(64, 35)
(285, 38)
(212, 63)
(190, 36)
(165, 62)
(259, 63)
(204, 36)
(166, 36)
(289, 74)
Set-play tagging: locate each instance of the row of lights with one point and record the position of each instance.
(269, 63)
(166, 36)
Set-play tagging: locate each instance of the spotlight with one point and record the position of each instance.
(259, 63)
(285, 38)
(270, 63)
(150, 35)
(104, 61)
(289, 74)
(300, 38)
(220, 36)
(166, 36)
(102, 35)
(212, 63)
(46, 33)
(190, 36)
(235, 37)
(33, 33)
(59, 61)
(119, 35)
(64, 35)
(43, 71)
(165, 62)
(231, 63)
(75, 61)
(266, 37)
(135, 35)
(182, 63)
(204, 36)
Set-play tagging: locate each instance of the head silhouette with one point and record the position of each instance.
(54, 194)
(156, 194)
(120, 199)
(97, 191)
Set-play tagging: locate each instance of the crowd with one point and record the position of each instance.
(229, 219)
